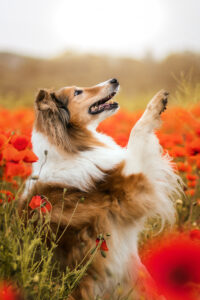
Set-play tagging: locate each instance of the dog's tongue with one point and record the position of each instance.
(105, 106)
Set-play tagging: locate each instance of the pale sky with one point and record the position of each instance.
(117, 27)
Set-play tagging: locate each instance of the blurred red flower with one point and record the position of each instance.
(3, 140)
(194, 147)
(30, 157)
(195, 234)
(183, 167)
(6, 195)
(7, 292)
(40, 202)
(190, 192)
(174, 263)
(178, 151)
(20, 142)
(191, 176)
(192, 183)
(11, 154)
(16, 169)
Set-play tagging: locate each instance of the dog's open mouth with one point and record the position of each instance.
(103, 104)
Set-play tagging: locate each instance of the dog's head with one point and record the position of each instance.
(87, 106)
(73, 108)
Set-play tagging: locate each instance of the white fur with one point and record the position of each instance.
(145, 155)
(72, 170)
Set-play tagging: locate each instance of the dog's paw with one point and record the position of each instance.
(159, 103)
(151, 120)
(164, 101)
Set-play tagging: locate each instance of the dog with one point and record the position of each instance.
(108, 190)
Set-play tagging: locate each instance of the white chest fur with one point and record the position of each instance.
(74, 170)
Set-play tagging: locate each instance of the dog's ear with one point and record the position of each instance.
(43, 100)
(63, 111)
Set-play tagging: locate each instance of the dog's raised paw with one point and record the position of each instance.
(159, 103)
(164, 101)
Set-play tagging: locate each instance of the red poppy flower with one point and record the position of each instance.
(15, 169)
(174, 263)
(7, 292)
(178, 151)
(40, 202)
(20, 142)
(5, 194)
(194, 147)
(183, 167)
(11, 154)
(3, 140)
(191, 176)
(103, 245)
(192, 183)
(190, 192)
(30, 157)
(195, 234)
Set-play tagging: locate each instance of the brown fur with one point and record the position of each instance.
(117, 200)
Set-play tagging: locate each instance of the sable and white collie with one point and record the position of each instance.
(108, 189)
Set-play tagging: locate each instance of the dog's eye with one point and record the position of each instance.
(77, 92)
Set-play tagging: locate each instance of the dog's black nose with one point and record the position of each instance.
(114, 81)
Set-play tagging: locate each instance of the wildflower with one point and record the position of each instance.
(194, 147)
(7, 292)
(182, 167)
(103, 245)
(174, 262)
(30, 157)
(178, 151)
(11, 154)
(5, 194)
(192, 183)
(190, 192)
(195, 234)
(40, 202)
(191, 176)
(13, 169)
(3, 140)
(20, 142)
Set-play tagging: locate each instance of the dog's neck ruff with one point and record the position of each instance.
(74, 170)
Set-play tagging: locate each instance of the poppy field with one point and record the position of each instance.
(171, 258)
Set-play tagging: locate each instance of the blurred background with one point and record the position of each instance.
(146, 44)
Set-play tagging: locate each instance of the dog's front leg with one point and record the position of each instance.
(143, 147)
(145, 155)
